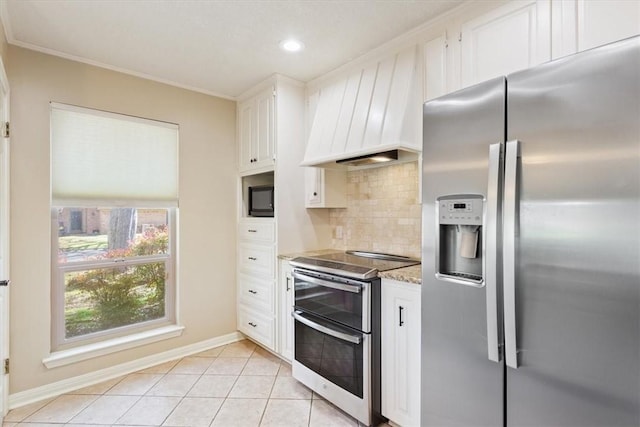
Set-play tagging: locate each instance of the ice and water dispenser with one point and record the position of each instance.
(459, 239)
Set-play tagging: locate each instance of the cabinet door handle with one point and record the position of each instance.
(400, 311)
(288, 281)
(252, 231)
(253, 258)
(251, 291)
(253, 325)
(315, 193)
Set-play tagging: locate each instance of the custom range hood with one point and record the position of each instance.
(372, 115)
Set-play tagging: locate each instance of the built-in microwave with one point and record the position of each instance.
(261, 200)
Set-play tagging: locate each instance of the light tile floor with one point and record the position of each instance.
(239, 384)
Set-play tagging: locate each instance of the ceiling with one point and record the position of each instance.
(216, 47)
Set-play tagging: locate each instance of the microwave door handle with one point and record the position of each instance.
(326, 283)
(355, 339)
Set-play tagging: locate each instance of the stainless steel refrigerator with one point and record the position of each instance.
(531, 247)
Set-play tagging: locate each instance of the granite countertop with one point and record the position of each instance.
(412, 274)
(308, 253)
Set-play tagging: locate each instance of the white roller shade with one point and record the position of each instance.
(107, 159)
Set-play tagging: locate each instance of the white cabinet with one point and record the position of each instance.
(257, 258)
(325, 188)
(285, 302)
(435, 68)
(257, 230)
(256, 292)
(256, 132)
(256, 325)
(401, 352)
(583, 24)
(507, 39)
(269, 123)
(256, 280)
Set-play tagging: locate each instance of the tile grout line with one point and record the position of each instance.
(182, 398)
(268, 397)
(229, 392)
(139, 396)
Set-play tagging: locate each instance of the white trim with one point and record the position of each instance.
(111, 115)
(5, 231)
(4, 17)
(274, 80)
(102, 348)
(419, 34)
(4, 80)
(82, 352)
(64, 386)
(98, 64)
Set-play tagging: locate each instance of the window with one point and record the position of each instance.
(114, 203)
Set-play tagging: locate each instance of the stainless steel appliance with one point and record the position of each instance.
(337, 328)
(531, 247)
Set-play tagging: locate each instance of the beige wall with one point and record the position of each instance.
(206, 275)
(383, 212)
(4, 46)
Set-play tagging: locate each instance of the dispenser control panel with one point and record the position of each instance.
(464, 211)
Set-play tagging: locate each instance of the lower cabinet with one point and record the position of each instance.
(256, 325)
(401, 352)
(256, 280)
(285, 306)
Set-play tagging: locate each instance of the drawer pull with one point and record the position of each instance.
(251, 291)
(252, 324)
(252, 231)
(253, 258)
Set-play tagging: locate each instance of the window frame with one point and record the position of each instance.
(113, 194)
(59, 341)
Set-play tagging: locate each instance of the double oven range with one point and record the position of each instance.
(337, 328)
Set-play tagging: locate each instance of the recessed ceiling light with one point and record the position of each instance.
(291, 45)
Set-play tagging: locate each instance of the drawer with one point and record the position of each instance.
(257, 326)
(253, 230)
(256, 293)
(257, 259)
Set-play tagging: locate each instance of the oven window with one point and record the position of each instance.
(340, 362)
(341, 306)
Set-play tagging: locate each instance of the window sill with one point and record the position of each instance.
(90, 351)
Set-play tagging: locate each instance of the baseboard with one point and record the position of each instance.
(60, 387)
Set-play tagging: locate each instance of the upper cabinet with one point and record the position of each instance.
(510, 38)
(435, 68)
(583, 24)
(256, 132)
(371, 109)
(480, 42)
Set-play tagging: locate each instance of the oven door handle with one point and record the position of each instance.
(355, 339)
(334, 285)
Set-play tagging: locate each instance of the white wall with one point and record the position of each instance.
(207, 234)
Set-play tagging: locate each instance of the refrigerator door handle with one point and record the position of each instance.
(491, 255)
(512, 153)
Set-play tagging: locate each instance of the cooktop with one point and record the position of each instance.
(355, 264)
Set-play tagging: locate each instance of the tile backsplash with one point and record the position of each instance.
(383, 213)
